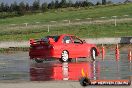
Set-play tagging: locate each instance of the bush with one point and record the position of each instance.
(4, 15)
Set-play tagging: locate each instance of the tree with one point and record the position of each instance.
(70, 4)
(36, 5)
(127, 1)
(6, 8)
(22, 8)
(103, 2)
(98, 3)
(44, 7)
(109, 2)
(57, 4)
(85, 3)
(2, 7)
(78, 4)
(63, 4)
(14, 7)
(90, 4)
(27, 7)
(51, 5)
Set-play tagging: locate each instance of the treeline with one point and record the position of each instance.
(22, 8)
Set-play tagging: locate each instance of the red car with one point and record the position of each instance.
(63, 47)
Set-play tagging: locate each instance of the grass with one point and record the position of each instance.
(71, 13)
(83, 31)
(16, 33)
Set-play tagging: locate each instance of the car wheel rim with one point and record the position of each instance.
(93, 53)
(64, 55)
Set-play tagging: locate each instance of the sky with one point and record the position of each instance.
(30, 1)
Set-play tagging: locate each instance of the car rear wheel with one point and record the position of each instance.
(93, 54)
(64, 56)
(38, 60)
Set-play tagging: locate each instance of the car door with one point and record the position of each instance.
(68, 45)
(80, 47)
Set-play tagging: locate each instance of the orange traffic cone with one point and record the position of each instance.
(130, 56)
(103, 52)
(117, 53)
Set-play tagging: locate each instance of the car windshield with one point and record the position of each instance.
(55, 38)
(76, 40)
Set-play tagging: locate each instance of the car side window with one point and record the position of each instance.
(76, 40)
(67, 39)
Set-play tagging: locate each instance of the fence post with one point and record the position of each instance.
(26, 24)
(69, 21)
(48, 28)
(115, 21)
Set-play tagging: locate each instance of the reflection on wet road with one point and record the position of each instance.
(58, 71)
(18, 67)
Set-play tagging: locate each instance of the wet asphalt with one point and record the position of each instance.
(18, 67)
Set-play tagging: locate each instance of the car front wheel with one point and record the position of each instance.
(93, 54)
(64, 56)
